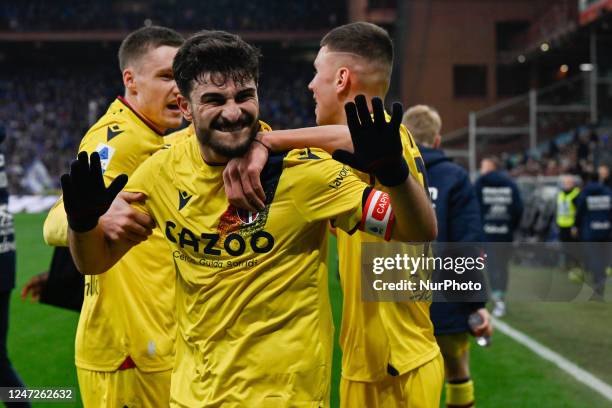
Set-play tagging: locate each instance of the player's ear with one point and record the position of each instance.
(128, 80)
(437, 141)
(343, 79)
(184, 106)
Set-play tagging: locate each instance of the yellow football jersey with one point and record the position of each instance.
(179, 136)
(254, 319)
(374, 334)
(127, 311)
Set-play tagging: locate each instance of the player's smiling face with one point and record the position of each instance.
(155, 88)
(328, 109)
(225, 115)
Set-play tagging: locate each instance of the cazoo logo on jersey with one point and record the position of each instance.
(232, 244)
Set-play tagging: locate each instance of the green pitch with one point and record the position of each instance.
(41, 337)
(41, 342)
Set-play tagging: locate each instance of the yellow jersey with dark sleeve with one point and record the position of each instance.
(254, 319)
(376, 334)
(127, 311)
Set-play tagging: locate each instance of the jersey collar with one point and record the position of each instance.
(144, 120)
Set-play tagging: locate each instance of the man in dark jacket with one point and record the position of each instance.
(501, 209)
(458, 216)
(594, 219)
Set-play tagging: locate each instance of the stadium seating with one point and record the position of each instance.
(47, 114)
(35, 15)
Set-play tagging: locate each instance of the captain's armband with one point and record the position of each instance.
(377, 216)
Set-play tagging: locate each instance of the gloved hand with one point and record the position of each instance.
(377, 144)
(85, 196)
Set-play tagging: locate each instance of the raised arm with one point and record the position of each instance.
(378, 150)
(86, 199)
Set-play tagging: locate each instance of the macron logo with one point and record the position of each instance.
(112, 132)
(184, 198)
(308, 155)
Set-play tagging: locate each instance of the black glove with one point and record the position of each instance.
(85, 196)
(377, 144)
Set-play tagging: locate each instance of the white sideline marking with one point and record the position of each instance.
(572, 369)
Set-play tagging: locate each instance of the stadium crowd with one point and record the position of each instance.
(245, 16)
(43, 129)
(585, 150)
(40, 124)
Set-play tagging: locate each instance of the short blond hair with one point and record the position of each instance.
(423, 122)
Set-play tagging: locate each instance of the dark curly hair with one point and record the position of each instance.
(223, 55)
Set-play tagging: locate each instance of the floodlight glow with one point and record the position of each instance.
(545, 47)
(586, 67)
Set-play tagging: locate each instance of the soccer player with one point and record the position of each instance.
(125, 337)
(501, 208)
(254, 321)
(458, 216)
(390, 355)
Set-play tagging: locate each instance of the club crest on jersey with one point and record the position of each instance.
(247, 217)
(241, 221)
(106, 153)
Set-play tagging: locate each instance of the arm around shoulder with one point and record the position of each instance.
(328, 138)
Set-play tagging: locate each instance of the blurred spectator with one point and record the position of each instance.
(47, 111)
(580, 156)
(285, 101)
(603, 173)
(583, 148)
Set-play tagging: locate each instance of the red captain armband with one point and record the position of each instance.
(377, 217)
